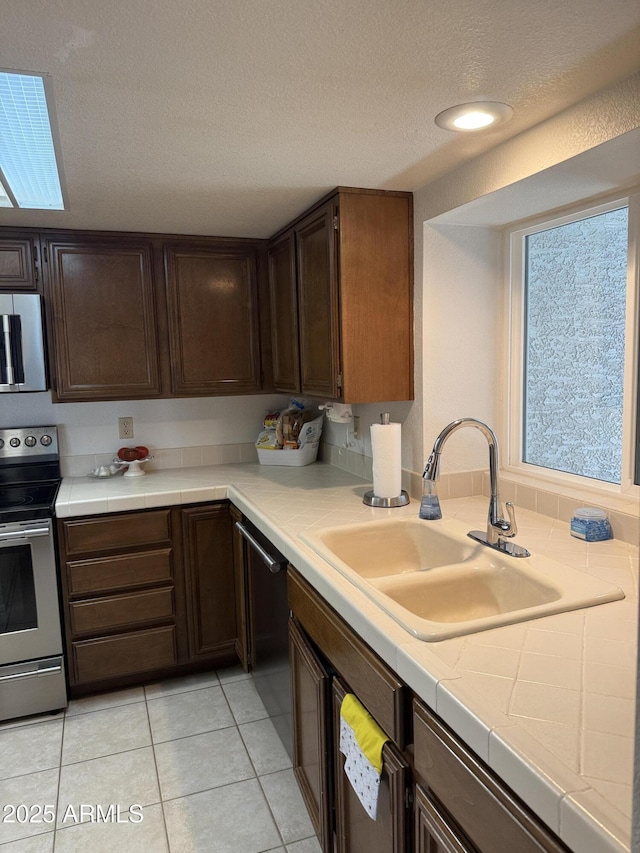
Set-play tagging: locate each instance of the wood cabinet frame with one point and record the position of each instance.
(147, 594)
(19, 262)
(354, 291)
(227, 277)
(312, 733)
(390, 831)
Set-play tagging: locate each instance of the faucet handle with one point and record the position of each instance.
(513, 527)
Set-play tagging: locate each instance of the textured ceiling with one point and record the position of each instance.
(229, 117)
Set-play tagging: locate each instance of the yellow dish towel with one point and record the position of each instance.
(361, 742)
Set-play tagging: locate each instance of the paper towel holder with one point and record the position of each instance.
(371, 499)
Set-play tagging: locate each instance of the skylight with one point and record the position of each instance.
(28, 169)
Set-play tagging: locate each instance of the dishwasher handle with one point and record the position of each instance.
(274, 565)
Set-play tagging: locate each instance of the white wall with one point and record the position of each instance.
(91, 428)
(587, 150)
(462, 331)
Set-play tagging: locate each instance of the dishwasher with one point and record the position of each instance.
(268, 616)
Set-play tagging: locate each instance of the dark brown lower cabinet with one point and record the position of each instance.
(468, 797)
(311, 699)
(327, 661)
(209, 579)
(148, 594)
(459, 804)
(433, 832)
(240, 574)
(356, 832)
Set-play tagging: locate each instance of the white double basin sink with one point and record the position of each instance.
(437, 583)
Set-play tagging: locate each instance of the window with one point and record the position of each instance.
(574, 356)
(29, 174)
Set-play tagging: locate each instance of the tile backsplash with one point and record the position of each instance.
(624, 517)
(171, 457)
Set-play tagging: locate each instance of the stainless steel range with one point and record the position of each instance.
(32, 678)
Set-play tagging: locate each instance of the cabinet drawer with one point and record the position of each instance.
(379, 689)
(102, 614)
(119, 572)
(124, 654)
(490, 815)
(123, 531)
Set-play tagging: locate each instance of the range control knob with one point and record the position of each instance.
(30, 441)
(14, 442)
(46, 440)
(1, 443)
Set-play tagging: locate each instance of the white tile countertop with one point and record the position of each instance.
(549, 704)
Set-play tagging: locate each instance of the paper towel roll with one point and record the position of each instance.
(387, 465)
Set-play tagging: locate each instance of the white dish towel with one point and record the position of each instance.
(361, 742)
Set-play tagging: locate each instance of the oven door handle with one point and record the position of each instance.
(31, 533)
(271, 563)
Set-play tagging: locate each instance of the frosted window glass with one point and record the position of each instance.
(27, 155)
(574, 346)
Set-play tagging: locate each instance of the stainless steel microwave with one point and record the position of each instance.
(22, 360)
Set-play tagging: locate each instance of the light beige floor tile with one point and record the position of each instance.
(217, 821)
(100, 701)
(125, 779)
(244, 701)
(265, 747)
(189, 713)
(147, 836)
(198, 763)
(232, 673)
(33, 720)
(284, 798)
(307, 845)
(105, 732)
(39, 789)
(181, 685)
(30, 748)
(35, 844)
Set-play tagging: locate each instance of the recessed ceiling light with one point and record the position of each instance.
(474, 116)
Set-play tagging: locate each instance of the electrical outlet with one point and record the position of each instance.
(125, 428)
(356, 427)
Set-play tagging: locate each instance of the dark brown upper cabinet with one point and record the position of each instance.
(318, 304)
(19, 270)
(354, 295)
(103, 319)
(212, 303)
(134, 316)
(284, 313)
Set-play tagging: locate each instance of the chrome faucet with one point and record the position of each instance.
(498, 528)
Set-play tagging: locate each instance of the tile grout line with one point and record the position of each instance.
(55, 826)
(155, 764)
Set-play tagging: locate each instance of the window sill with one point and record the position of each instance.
(557, 500)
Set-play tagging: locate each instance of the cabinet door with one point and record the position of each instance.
(311, 706)
(18, 263)
(434, 832)
(318, 303)
(486, 811)
(212, 301)
(284, 314)
(210, 587)
(104, 320)
(243, 643)
(356, 832)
